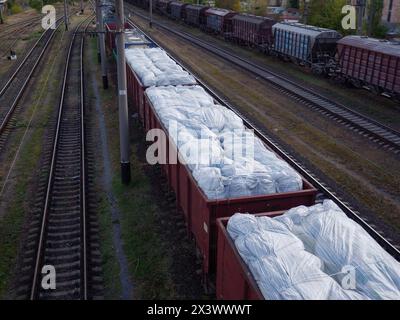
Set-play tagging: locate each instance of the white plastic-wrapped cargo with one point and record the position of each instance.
(342, 244)
(211, 136)
(312, 253)
(155, 68)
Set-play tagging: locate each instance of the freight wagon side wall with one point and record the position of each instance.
(234, 280)
(371, 67)
(215, 23)
(292, 44)
(252, 33)
(192, 16)
(177, 11)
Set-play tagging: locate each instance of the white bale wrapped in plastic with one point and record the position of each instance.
(191, 109)
(155, 68)
(343, 244)
(210, 181)
(281, 266)
(190, 97)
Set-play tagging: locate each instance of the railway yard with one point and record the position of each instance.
(214, 231)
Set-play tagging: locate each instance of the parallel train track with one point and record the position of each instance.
(377, 132)
(9, 39)
(63, 230)
(13, 89)
(64, 222)
(324, 191)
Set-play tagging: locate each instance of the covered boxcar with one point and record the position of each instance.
(177, 10)
(372, 63)
(163, 7)
(252, 30)
(195, 15)
(218, 20)
(307, 45)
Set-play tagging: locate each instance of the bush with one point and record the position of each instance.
(36, 4)
(16, 8)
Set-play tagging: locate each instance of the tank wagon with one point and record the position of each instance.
(306, 45)
(219, 21)
(252, 31)
(371, 63)
(195, 15)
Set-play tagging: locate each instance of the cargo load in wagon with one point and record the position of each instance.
(151, 67)
(224, 179)
(314, 253)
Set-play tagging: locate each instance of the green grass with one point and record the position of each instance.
(11, 224)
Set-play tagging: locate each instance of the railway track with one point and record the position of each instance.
(377, 132)
(13, 89)
(16, 27)
(10, 39)
(62, 229)
(62, 241)
(325, 191)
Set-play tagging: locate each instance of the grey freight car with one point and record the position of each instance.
(307, 45)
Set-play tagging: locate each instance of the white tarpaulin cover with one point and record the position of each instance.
(210, 136)
(155, 68)
(311, 253)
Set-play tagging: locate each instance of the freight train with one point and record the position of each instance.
(209, 195)
(363, 62)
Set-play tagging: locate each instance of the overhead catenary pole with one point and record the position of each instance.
(101, 42)
(66, 14)
(360, 11)
(122, 98)
(81, 6)
(151, 13)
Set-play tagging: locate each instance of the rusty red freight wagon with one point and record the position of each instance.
(234, 280)
(110, 34)
(252, 30)
(218, 20)
(200, 212)
(371, 62)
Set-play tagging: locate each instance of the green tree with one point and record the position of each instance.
(228, 4)
(374, 24)
(294, 4)
(327, 14)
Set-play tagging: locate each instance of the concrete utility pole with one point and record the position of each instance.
(101, 43)
(66, 14)
(151, 13)
(360, 11)
(305, 12)
(81, 6)
(122, 98)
